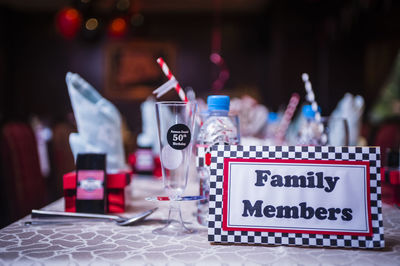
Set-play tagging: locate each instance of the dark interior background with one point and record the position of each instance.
(345, 46)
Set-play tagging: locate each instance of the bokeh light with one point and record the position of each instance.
(118, 27)
(68, 22)
(91, 24)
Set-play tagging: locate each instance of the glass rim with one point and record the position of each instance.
(173, 103)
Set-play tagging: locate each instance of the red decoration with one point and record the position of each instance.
(157, 172)
(68, 22)
(118, 27)
(116, 184)
(157, 168)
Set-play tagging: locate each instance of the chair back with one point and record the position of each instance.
(22, 182)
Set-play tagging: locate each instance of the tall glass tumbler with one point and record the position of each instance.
(175, 122)
(337, 131)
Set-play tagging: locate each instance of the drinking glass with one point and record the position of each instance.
(175, 121)
(337, 131)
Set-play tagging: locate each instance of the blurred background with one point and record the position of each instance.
(257, 48)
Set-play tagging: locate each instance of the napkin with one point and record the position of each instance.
(98, 122)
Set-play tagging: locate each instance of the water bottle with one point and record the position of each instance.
(309, 132)
(271, 128)
(218, 128)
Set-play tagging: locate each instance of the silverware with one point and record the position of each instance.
(55, 222)
(117, 219)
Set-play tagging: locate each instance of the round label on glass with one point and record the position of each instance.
(178, 136)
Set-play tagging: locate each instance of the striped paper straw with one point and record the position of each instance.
(169, 75)
(287, 117)
(166, 87)
(311, 98)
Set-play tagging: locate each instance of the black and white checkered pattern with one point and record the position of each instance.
(200, 156)
(370, 154)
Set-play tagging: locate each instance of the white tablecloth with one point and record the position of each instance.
(105, 243)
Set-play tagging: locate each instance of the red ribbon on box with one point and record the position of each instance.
(116, 184)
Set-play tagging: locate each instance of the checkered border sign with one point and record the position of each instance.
(370, 154)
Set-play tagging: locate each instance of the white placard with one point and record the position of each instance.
(321, 196)
(297, 196)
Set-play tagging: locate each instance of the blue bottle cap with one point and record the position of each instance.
(272, 117)
(218, 102)
(308, 112)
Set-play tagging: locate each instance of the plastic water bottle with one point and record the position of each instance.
(309, 133)
(218, 128)
(271, 128)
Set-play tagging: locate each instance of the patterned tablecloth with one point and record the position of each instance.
(105, 243)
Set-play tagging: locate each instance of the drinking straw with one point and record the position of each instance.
(314, 106)
(170, 77)
(166, 87)
(287, 117)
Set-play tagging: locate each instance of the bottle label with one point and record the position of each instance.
(203, 155)
(178, 136)
(90, 185)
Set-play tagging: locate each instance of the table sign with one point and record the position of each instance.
(296, 195)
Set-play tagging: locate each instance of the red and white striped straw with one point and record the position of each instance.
(169, 75)
(314, 106)
(287, 117)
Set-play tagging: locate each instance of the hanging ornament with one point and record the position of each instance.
(118, 27)
(68, 22)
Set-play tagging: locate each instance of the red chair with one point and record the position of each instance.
(388, 137)
(22, 183)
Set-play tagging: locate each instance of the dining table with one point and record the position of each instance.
(103, 242)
